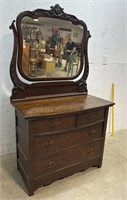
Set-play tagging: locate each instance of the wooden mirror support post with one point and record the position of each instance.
(60, 129)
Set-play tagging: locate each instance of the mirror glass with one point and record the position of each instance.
(51, 48)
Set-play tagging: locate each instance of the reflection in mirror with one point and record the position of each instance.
(51, 47)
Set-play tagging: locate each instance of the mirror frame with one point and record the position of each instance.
(30, 88)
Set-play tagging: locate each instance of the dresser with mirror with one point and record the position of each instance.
(60, 128)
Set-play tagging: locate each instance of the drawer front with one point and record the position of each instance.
(21, 125)
(22, 144)
(67, 158)
(47, 144)
(53, 124)
(90, 117)
(22, 160)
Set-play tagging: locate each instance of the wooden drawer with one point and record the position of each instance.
(54, 142)
(22, 160)
(53, 124)
(21, 124)
(90, 117)
(67, 158)
(22, 143)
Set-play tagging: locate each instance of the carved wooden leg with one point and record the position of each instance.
(30, 189)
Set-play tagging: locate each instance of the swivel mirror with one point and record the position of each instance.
(52, 53)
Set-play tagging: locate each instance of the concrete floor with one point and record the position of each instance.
(106, 183)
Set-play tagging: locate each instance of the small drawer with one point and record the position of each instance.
(67, 158)
(47, 144)
(53, 124)
(90, 117)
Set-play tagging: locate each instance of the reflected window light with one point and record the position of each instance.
(24, 44)
(36, 20)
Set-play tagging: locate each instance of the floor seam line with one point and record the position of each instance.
(116, 153)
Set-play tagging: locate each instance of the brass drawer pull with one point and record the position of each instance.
(56, 124)
(91, 133)
(92, 116)
(50, 143)
(50, 164)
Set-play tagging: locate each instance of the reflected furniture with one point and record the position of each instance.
(60, 128)
(33, 67)
(49, 67)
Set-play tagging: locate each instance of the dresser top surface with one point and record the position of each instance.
(59, 105)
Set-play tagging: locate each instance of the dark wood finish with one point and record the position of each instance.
(60, 130)
(57, 137)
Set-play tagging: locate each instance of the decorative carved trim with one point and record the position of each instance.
(57, 11)
(86, 56)
(82, 87)
(16, 81)
(82, 83)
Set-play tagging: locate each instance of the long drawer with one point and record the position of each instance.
(66, 158)
(46, 144)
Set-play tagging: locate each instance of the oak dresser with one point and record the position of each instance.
(57, 137)
(60, 128)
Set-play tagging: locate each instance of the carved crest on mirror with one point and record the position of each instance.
(50, 54)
